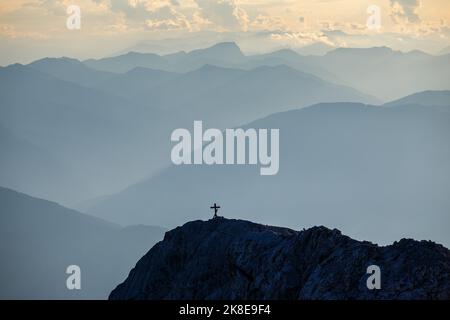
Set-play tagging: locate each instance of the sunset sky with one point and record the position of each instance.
(31, 29)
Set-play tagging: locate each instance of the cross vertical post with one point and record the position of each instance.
(216, 208)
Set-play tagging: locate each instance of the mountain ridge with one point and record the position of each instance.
(39, 239)
(435, 98)
(411, 71)
(237, 259)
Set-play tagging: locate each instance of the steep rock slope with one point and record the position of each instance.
(236, 259)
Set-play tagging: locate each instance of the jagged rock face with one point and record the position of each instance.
(235, 259)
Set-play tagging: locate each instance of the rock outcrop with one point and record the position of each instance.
(235, 259)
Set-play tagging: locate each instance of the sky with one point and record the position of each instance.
(32, 29)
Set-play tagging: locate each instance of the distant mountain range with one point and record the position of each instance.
(377, 173)
(227, 53)
(229, 97)
(426, 98)
(379, 71)
(107, 130)
(40, 239)
(71, 70)
(74, 134)
(364, 147)
(90, 132)
(32, 168)
(235, 260)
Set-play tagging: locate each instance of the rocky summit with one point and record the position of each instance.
(235, 259)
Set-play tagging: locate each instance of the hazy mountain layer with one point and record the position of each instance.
(71, 70)
(380, 71)
(374, 172)
(229, 97)
(425, 98)
(111, 130)
(102, 139)
(40, 239)
(32, 169)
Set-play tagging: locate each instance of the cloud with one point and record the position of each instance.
(168, 18)
(296, 39)
(190, 15)
(11, 6)
(134, 10)
(405, 11)
(224, 13)
(276, 22)
(335, 29)
(265, 22)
